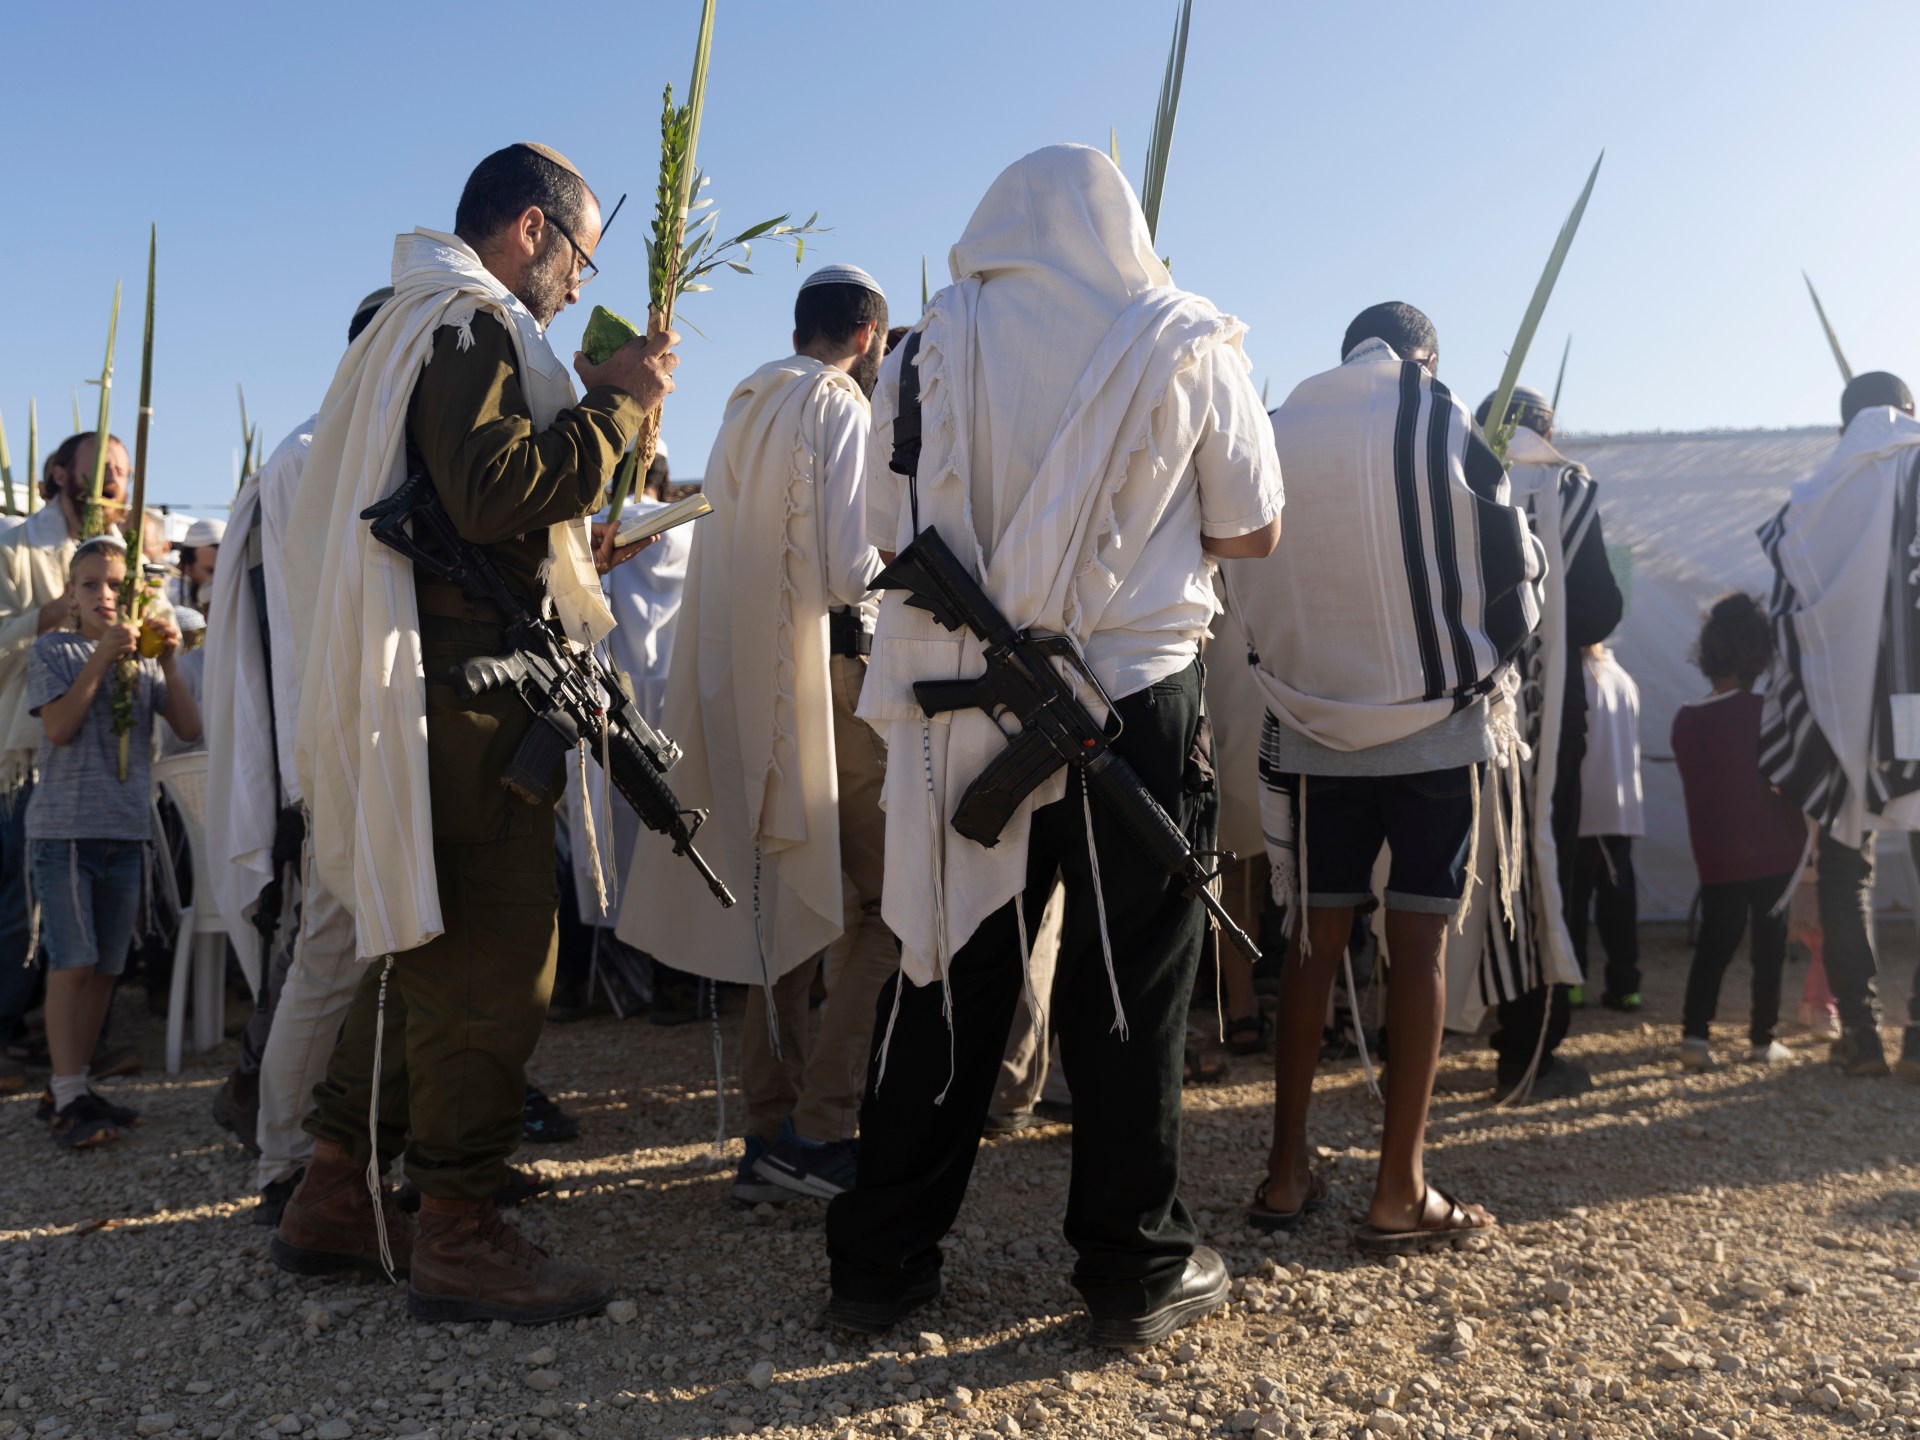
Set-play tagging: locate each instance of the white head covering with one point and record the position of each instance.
(205, 532)
(843, 275)
(1065, 246)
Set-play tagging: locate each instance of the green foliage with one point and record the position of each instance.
(6, 470)
(1160, 144)
(94, 519)
(1833, 340)
(1499, 428)
(1561, 378)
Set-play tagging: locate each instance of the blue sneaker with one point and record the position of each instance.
(748, 1186)
(821, 1168)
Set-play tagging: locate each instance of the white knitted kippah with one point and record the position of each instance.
(843, 275)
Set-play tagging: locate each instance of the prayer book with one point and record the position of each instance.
(639, 527)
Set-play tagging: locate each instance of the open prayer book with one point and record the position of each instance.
(639, 527)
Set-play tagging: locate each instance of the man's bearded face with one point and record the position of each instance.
(549, 278)
(866, 370)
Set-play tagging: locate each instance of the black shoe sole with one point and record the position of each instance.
(1136, 1331)
(296, 1261)
(443, 1309)
(876, 1317)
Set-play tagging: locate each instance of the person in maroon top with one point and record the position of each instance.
(1747, 838)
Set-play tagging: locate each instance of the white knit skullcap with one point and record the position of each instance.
(205, 532)
(843, 275)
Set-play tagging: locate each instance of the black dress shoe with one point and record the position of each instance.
(876, 1317)
(1203, 1288)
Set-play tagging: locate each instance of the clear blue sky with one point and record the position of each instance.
(1326, 157)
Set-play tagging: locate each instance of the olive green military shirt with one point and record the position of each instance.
(502, 483)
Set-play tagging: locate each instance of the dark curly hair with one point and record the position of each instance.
(1735, 639)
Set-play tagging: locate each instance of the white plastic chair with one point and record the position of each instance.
(200, 954)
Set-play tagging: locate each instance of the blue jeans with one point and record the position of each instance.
(89, 894)
(19, 970)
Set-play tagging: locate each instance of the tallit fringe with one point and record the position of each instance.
(760, 947)
(1480, 782)
(717, 1152)
(939, 919)
(1359, 1026)
(593, 840)
(1779, 907)
(1523, 1091)
(373, 1123)
(1100, 909)
(1306, 931)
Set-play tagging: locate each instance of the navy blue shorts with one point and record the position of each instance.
(1426, 818)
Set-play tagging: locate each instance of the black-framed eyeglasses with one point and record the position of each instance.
(588, 270)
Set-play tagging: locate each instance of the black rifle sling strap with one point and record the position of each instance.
(906, 425)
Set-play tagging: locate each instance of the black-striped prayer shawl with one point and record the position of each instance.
(1402, 583)
(1796, 752)
(1501, 951)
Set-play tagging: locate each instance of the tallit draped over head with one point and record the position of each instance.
(1840, 726)
(362, 741)
(1061, 411)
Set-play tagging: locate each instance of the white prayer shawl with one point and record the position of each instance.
(1837, 732)
(1376, 454)
(1054, 271)
(644, 595)
(750, 700)
(279, 492)
(362, 740)
(1499, 952)
(243, 795)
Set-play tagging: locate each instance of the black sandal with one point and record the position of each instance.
(1250, 1034)
(1262, 1217)
(1201, 1068)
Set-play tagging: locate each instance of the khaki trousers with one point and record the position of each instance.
(820, 1084)
(307, 1016)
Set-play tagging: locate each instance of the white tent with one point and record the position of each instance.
(1680, 512)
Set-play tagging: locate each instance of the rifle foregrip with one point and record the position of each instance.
(635, 777)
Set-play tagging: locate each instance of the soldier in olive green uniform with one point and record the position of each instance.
(462, 1013)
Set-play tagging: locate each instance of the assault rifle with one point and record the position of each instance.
(573, 698)
(1056, 728)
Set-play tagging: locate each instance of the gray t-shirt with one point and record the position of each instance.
(80, 795)
(1463, 738)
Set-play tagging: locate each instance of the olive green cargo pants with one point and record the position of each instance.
(464, 1011)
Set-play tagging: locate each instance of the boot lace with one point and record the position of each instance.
(495, 1232)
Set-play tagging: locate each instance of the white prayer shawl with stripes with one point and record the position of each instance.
(1838, 731)
(1500, 952)
(1404, 579)
(1063, 224)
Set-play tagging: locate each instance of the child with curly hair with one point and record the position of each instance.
(1747, 839)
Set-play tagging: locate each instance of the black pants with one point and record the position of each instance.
(1603, 884)
(1725, 911)
(1124, 1216)
(1845, 877)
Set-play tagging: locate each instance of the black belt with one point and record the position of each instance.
(846, 635)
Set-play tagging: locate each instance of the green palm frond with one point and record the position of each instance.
(1499, 429)
(94, 521)
(1833, 340)
(1160, 143)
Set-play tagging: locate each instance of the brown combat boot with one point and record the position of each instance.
(471, 1265)
(328, 1226)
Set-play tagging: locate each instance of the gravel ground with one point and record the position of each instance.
(1735, 1254)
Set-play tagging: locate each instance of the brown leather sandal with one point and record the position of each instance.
(1456, 1222)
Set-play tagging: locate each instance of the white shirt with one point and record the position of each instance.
(851, 563)
(1610, 800)
(1153, 626)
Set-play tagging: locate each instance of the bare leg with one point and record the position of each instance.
(1416, 1012)
(77, 1002)
(1300, 1016)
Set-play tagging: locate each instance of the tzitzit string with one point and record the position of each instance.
(1100, 909)
(373, 1122)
